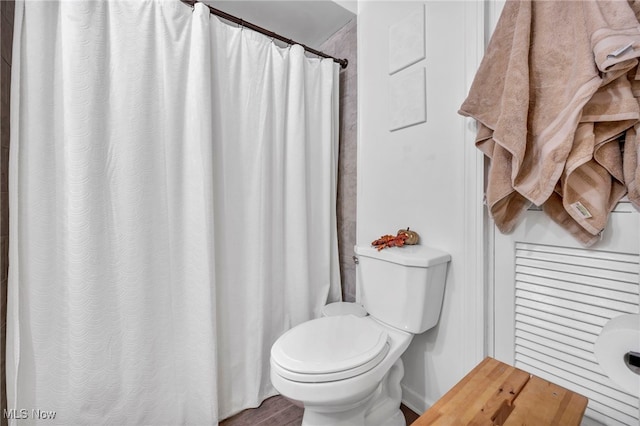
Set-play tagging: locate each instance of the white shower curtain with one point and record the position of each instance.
(275, 186)
(172, 202)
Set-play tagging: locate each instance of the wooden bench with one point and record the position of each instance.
(494, 393)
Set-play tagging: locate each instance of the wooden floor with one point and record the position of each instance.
(278, 411)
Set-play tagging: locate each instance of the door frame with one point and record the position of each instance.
(476, 222)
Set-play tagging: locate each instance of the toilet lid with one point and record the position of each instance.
(334, 347)
(343, 308)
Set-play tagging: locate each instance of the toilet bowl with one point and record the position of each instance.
(332, 376)
(345, 368)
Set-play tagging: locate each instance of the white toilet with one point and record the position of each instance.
(345, 368)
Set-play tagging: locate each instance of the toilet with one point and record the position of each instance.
(345, 368)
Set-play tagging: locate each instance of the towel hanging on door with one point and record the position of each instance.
(553, 97)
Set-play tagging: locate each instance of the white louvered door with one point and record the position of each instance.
(552, 297)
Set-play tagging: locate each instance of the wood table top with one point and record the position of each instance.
(494, 393)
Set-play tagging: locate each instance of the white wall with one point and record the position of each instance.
(426, 177)
(350, 5)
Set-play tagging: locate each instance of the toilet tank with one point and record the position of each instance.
(402, 286)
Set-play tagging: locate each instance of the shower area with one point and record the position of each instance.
(181, 192)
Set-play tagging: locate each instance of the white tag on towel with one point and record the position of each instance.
(582, 210)
(619, 51)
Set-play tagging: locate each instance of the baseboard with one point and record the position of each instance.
(417, 403)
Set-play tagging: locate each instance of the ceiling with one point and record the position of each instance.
(308, 22)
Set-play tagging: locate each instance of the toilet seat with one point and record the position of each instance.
(329, 349)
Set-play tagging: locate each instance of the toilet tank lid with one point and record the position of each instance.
(417, 255)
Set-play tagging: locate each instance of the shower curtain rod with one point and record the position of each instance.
(343, 62)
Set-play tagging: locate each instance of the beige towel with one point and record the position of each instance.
(592, 182)
(632, 150)
(630, 165)
(529, 93)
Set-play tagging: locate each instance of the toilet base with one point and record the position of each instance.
(353, 417)
(382, 407)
